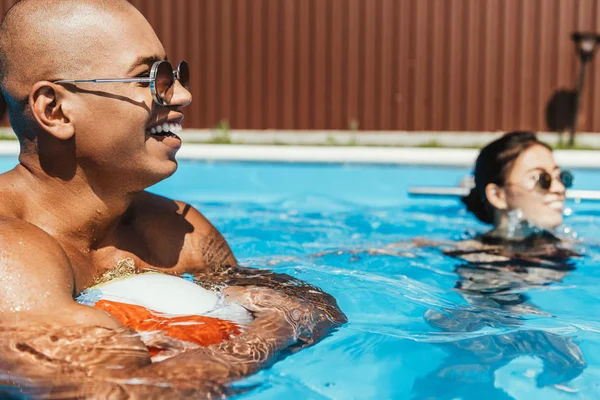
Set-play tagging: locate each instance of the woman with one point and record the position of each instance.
(518, 189)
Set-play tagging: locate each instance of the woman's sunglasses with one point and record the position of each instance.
(544, 180)
(162, 80)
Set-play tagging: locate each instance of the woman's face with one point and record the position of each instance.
(543, 208)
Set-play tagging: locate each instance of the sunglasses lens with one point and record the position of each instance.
(164, 82)
(183, 74)
(566, 178)
(544, 181)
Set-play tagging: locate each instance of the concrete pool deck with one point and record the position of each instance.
(316, 147)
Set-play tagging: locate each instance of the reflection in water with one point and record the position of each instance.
(468, 371)
(92, 362)
(494, 281)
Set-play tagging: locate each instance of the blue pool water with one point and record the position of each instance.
(281, 215)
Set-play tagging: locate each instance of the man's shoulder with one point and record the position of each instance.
(18, 237)
(162, 221)
(16, 229)
(27, 248)
(150, 208)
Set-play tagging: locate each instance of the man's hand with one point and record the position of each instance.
(289, 317)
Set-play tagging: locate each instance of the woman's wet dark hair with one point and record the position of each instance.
(493, 166)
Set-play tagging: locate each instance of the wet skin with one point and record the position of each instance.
(542, 208)
(75, 206)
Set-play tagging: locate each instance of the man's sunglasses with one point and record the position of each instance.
(162, 80)
(544, 180)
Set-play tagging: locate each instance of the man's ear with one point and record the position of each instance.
(496, 195)
(46, 103)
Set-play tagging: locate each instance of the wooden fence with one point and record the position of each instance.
(435, 65)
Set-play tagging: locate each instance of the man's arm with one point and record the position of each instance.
(50, 345)
(38, 281)
(47, 340)
(206, 246)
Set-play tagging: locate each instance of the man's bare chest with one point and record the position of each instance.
(157, 246)
(92, 265)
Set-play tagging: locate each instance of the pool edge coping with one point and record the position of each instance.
(458, 157)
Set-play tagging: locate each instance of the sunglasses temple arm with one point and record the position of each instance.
(105, 80)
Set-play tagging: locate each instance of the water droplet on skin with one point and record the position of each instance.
(567, 232)
(514, 222)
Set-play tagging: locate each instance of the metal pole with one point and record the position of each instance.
(576, 102)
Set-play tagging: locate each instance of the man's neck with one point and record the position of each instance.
(72, 210)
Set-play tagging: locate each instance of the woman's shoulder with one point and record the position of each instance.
(542, 249)
(476, 251)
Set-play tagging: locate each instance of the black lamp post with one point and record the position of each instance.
(586, 44)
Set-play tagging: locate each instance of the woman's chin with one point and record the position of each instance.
(550, 224)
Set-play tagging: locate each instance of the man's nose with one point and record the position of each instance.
(181, 96)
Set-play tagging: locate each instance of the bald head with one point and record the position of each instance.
(43, 40)
(79, 126)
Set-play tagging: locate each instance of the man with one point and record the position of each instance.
(75, 207)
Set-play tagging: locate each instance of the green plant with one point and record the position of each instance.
(330, 141)
(430, 144)
(6, 133)
(222, 126)
(565, 146)
(221, 135)
(220, 139)
(353, 141)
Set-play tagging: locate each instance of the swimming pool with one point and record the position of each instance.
(279, 215)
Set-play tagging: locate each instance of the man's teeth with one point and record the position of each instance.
(166, 128)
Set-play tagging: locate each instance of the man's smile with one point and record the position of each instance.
(166, 132)
(165, 129)
(168, 138)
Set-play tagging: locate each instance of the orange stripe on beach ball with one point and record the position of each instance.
(197, 329)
